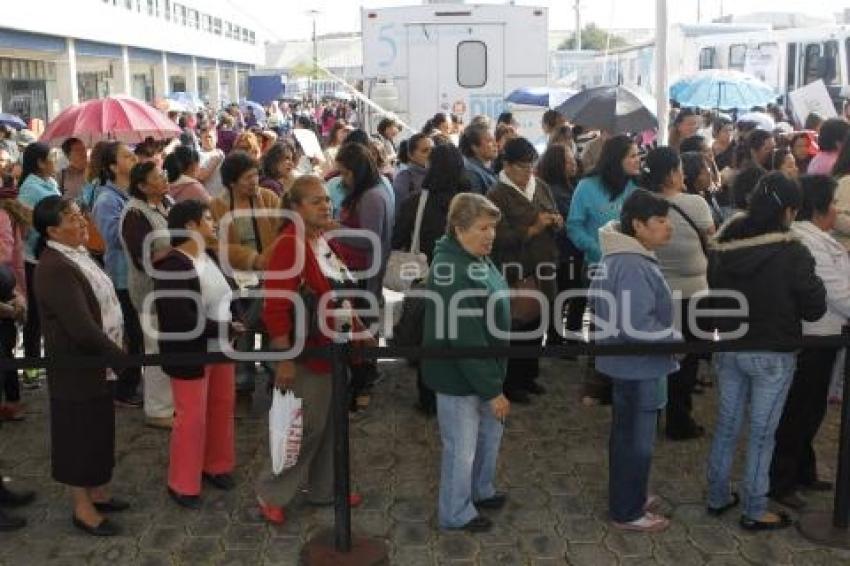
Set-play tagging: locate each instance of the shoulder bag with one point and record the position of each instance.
(405, 268)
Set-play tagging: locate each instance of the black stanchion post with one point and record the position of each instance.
(342, 468)
(337, 547)
(831, 529)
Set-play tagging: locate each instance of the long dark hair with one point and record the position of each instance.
(842, 164)
(609, 168)
(432, 124)
(108, 158)
(552, 167)
(773, 194)
(660, 163)
(48, 214)
(446, 172)
(33, 153)
(274, 155)
(358, 159)
(138, 176)
(693, 163)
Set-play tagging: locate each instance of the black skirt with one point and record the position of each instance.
(82, 441)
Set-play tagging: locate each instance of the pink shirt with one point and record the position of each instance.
(186, 188)
(822, 163)
(12, 249)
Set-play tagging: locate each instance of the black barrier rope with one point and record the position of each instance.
(417, 352)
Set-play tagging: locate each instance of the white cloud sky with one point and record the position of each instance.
(276, 19)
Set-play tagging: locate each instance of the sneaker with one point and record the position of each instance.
(649, 523)
(272, 513)
(30, 379)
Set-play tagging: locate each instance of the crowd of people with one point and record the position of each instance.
(182, 236)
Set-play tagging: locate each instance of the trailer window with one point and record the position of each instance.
(737, 56)
(821, 62)
(830, 62)
(707, 57)
(471, 64)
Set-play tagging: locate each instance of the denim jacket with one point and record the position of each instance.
(107, 212)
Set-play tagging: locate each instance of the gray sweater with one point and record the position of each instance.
(374, 212)
(682, 260)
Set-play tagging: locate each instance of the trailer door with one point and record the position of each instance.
(471, 68)
(422, 77)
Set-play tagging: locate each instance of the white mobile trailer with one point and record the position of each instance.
(786, 59)
(454, 58)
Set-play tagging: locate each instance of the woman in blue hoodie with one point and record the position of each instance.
(633, 302)
(596, 201)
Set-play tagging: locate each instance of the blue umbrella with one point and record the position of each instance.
(259, 112)
(190, 100)
(539, 96)
(722, 88)
(12, 121)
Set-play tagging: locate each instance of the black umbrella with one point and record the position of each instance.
(616, 109)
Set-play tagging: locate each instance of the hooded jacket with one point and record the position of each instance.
(453, 271)
(775, 273)
(638, 308)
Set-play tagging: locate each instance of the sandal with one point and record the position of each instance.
(718, 511)
(649, 523)
(752, 525)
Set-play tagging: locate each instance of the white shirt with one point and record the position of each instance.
(213, 183)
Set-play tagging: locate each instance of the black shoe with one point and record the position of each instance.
(105, 529)
(9, 498)
(817, 485)
(790, 500)
(718, 511)
(479, 524)
(114, 505)
(188, 501)
(220, 481)
(534, 388)
(518, 396)
(496, 502)
(752, 525)
(10, 522)
(689, 432)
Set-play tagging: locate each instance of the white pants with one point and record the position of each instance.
(157, 385)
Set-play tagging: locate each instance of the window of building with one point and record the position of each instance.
(216, 26)
(166, 9)
(194, 20)
(246, 37)
(471, 64)
(128, 4)
(153, 8)
(237, 32)
(206, 22)
(707, 57)
(253, 38)
(737, 56)
(228, 30)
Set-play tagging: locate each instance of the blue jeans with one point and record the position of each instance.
(634, 415)
(471, 436)
(760, 379)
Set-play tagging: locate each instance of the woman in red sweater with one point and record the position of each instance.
(302, 256)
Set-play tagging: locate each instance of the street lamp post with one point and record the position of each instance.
(313, 14)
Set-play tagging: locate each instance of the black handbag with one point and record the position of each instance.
(409, 330)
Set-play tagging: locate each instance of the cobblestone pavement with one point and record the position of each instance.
(553, 465)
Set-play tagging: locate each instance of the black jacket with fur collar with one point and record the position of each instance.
(775, 273)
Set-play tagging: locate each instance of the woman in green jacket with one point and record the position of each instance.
(470, 405)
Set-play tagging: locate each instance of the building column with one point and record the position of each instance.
(192, 87)
(235, 83)
(166, 83)
(215, 90)
(127, 86)
(66, 78)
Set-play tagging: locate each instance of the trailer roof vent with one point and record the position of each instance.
(449, 14)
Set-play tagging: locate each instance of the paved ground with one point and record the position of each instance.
(553, 464)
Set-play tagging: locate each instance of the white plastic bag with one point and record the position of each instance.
(285, 430)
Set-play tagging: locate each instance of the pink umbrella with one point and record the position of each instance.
(114, 118)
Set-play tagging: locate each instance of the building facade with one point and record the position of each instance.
(57, 53)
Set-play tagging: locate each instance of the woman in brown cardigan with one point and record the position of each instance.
(525, 247)
(80, 316)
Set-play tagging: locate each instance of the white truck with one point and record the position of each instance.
(454, 58)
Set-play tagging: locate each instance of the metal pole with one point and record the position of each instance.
(577, 42)
(661, 88)
(841, 507)
(315, 61)
(342, 505)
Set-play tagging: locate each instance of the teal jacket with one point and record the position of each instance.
(33, 190)
(590, 209)
(454, 270)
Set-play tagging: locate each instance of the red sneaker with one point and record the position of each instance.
(271, 513)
